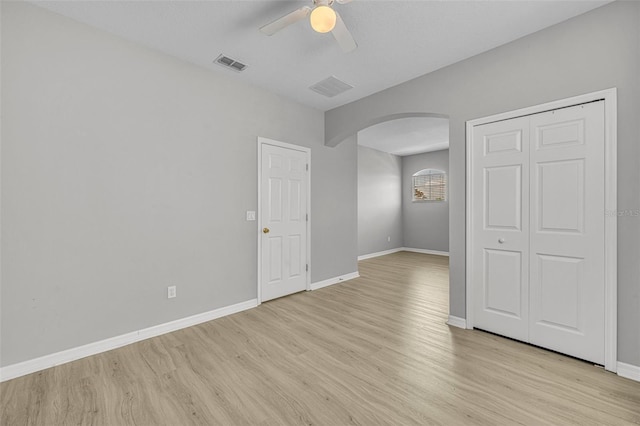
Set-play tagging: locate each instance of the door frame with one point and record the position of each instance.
(266, 141)
(609, 96)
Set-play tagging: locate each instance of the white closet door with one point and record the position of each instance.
(538, 217)
(567, 231)
(500, 218)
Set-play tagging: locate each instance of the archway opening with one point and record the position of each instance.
(392, 158)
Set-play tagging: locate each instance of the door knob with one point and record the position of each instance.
(501, 240)
(265, 230)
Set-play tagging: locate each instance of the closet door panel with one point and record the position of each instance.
(567, 231)
(500, 207)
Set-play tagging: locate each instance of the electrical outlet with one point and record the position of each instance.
(171, 292)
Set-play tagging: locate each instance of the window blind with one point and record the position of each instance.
(431, 187)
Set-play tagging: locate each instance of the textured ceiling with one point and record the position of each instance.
(397, 40)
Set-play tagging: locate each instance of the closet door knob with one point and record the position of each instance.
(501, 240)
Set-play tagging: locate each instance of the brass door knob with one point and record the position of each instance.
(265, 230)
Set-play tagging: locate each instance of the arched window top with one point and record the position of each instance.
(427, 172)
(430, 185)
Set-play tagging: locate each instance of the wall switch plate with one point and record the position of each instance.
(251, 215)
(171, 292)
(389, 239)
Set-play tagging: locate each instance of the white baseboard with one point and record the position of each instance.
(334, 280)
(395, 250)
(31, 366)
(457, 322)
(629, 371)
(380, 253)
(424, 251)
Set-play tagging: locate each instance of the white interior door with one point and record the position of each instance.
(567, 231)
(538, 218)
(501, 220)
(283, 218)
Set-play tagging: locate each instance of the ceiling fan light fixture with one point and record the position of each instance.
(323, 19)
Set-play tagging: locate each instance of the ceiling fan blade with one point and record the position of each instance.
(286, 20)
(343, 36)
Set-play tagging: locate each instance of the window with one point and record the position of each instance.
(429, 185)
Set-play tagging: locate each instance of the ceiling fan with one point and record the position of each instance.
(322, 17)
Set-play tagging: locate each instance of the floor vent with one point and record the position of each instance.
(232, 64)
(331, 87)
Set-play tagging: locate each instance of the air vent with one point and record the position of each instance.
(330, 87)
(227, 62)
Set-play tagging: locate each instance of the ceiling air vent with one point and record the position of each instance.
(227, 62)
(330, 87)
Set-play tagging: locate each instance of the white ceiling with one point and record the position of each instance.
(407, 136)
(398, 40)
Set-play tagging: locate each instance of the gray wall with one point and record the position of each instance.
(379, 201)
(594, 51)
(124, 171)
(425, 224)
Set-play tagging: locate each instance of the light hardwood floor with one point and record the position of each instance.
(374, 350)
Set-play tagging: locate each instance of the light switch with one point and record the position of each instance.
(251, 215)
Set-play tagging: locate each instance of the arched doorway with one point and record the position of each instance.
(390, 153)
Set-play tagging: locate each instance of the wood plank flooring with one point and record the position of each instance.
(374, 350)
